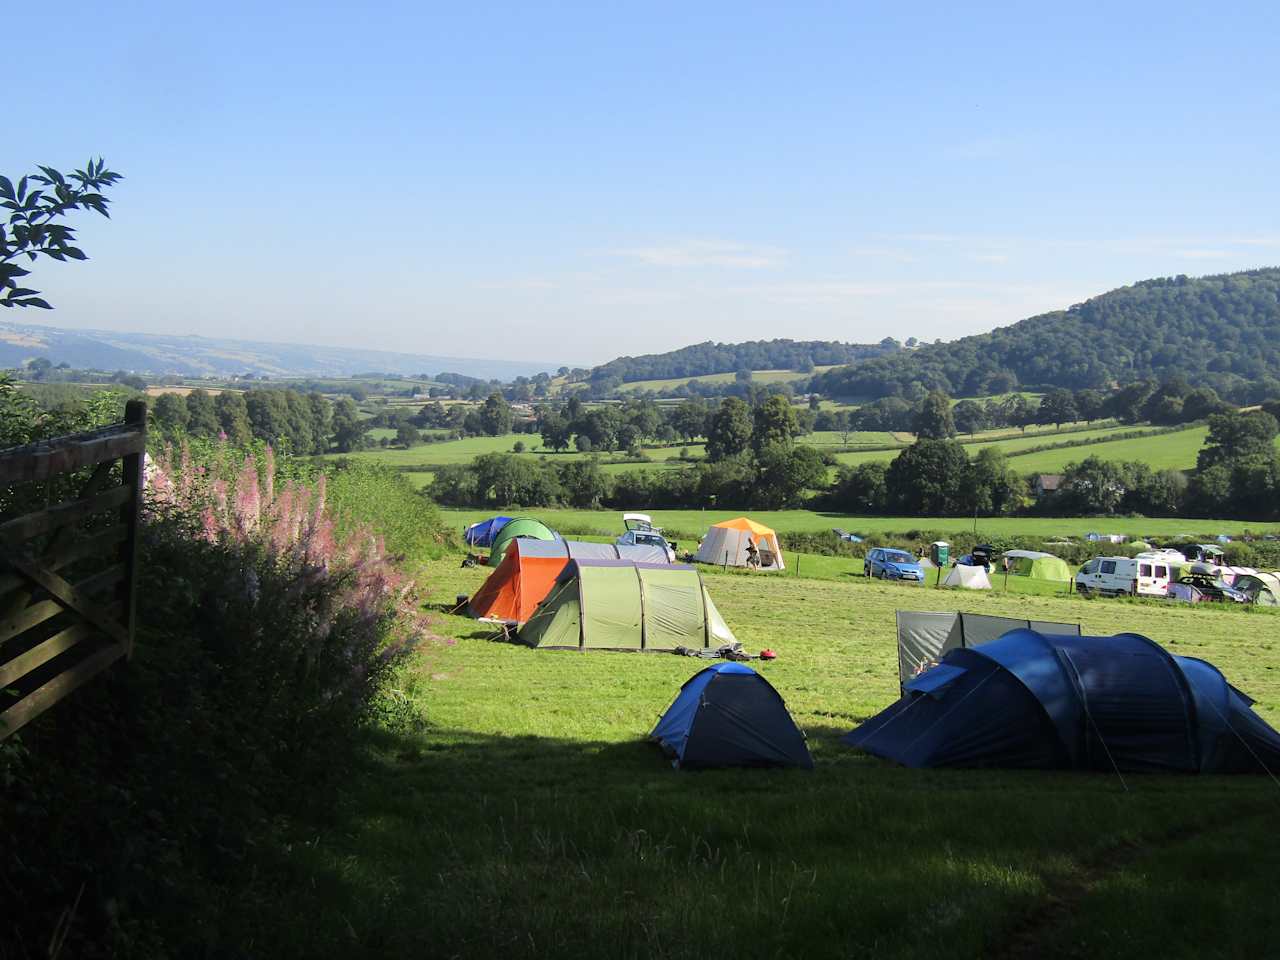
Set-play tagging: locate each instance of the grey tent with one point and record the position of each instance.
(589, 550)
(1262, 588)
(924, 637)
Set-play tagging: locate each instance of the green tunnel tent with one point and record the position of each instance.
(623, 605)
(1039, 566)
(526, 527)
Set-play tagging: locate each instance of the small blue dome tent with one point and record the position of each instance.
(481, 534)
(1039, 700)
(730, 716)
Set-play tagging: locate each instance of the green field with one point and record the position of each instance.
(759, 376)
(1013, 441)
(695, 522)
(467, 449)
(463, 451)
(1176, 451)
(515, 810)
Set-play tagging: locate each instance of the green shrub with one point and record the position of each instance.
(361, 493)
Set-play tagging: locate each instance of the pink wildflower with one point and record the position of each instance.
(268, 476)
(248, 504)
(210, 526)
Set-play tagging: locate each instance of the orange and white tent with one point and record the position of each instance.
(516, 587)
(726, 543)
(529, 570)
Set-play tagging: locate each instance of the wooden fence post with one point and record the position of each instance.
(135, 413)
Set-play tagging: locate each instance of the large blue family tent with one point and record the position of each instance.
(1031, 699)
(730, 716)
(481, 534)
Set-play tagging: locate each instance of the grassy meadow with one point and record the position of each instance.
(510, 807)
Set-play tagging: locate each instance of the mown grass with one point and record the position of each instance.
(514, 810)
(695, 523)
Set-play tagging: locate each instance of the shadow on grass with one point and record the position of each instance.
(452, 842)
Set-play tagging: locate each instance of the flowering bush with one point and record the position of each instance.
(267, 624)
(311, 619)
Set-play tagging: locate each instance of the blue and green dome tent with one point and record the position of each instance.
(1058, 701)
(730, 716)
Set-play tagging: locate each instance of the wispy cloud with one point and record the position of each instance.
(802, 293)
(705, 253)
(1203, 254)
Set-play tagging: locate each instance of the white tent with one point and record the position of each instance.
(971, 578)
(726, 543)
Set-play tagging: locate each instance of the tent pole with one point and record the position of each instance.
(582, 612)
(706, 614)
(640, 584)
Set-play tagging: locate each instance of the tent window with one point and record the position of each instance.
(1108, 566)
(1144, 570)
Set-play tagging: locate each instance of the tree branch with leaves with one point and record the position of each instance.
(34, 205)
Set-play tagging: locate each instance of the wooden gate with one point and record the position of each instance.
(68, 565)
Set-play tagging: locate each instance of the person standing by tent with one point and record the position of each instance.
(753, 555)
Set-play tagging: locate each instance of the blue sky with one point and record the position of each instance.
(573, 182)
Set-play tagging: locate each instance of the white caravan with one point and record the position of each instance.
(1113, 576)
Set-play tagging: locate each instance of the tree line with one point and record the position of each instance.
(301, 423)
(1165, 403)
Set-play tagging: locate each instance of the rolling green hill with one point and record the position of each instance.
(1208, 329)
(703, 359)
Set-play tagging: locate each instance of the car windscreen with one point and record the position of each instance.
(898, 556)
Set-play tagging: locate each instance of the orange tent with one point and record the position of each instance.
(518, 585)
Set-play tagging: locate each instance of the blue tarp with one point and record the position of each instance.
(1030, 699)
(481, 534)
(729, 716)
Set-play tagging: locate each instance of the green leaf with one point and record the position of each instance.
(22, 189)
(6, 188)
(35, 302)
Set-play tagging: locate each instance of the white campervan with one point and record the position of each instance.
(1144, 576)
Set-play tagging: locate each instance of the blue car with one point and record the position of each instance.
(890, 564)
